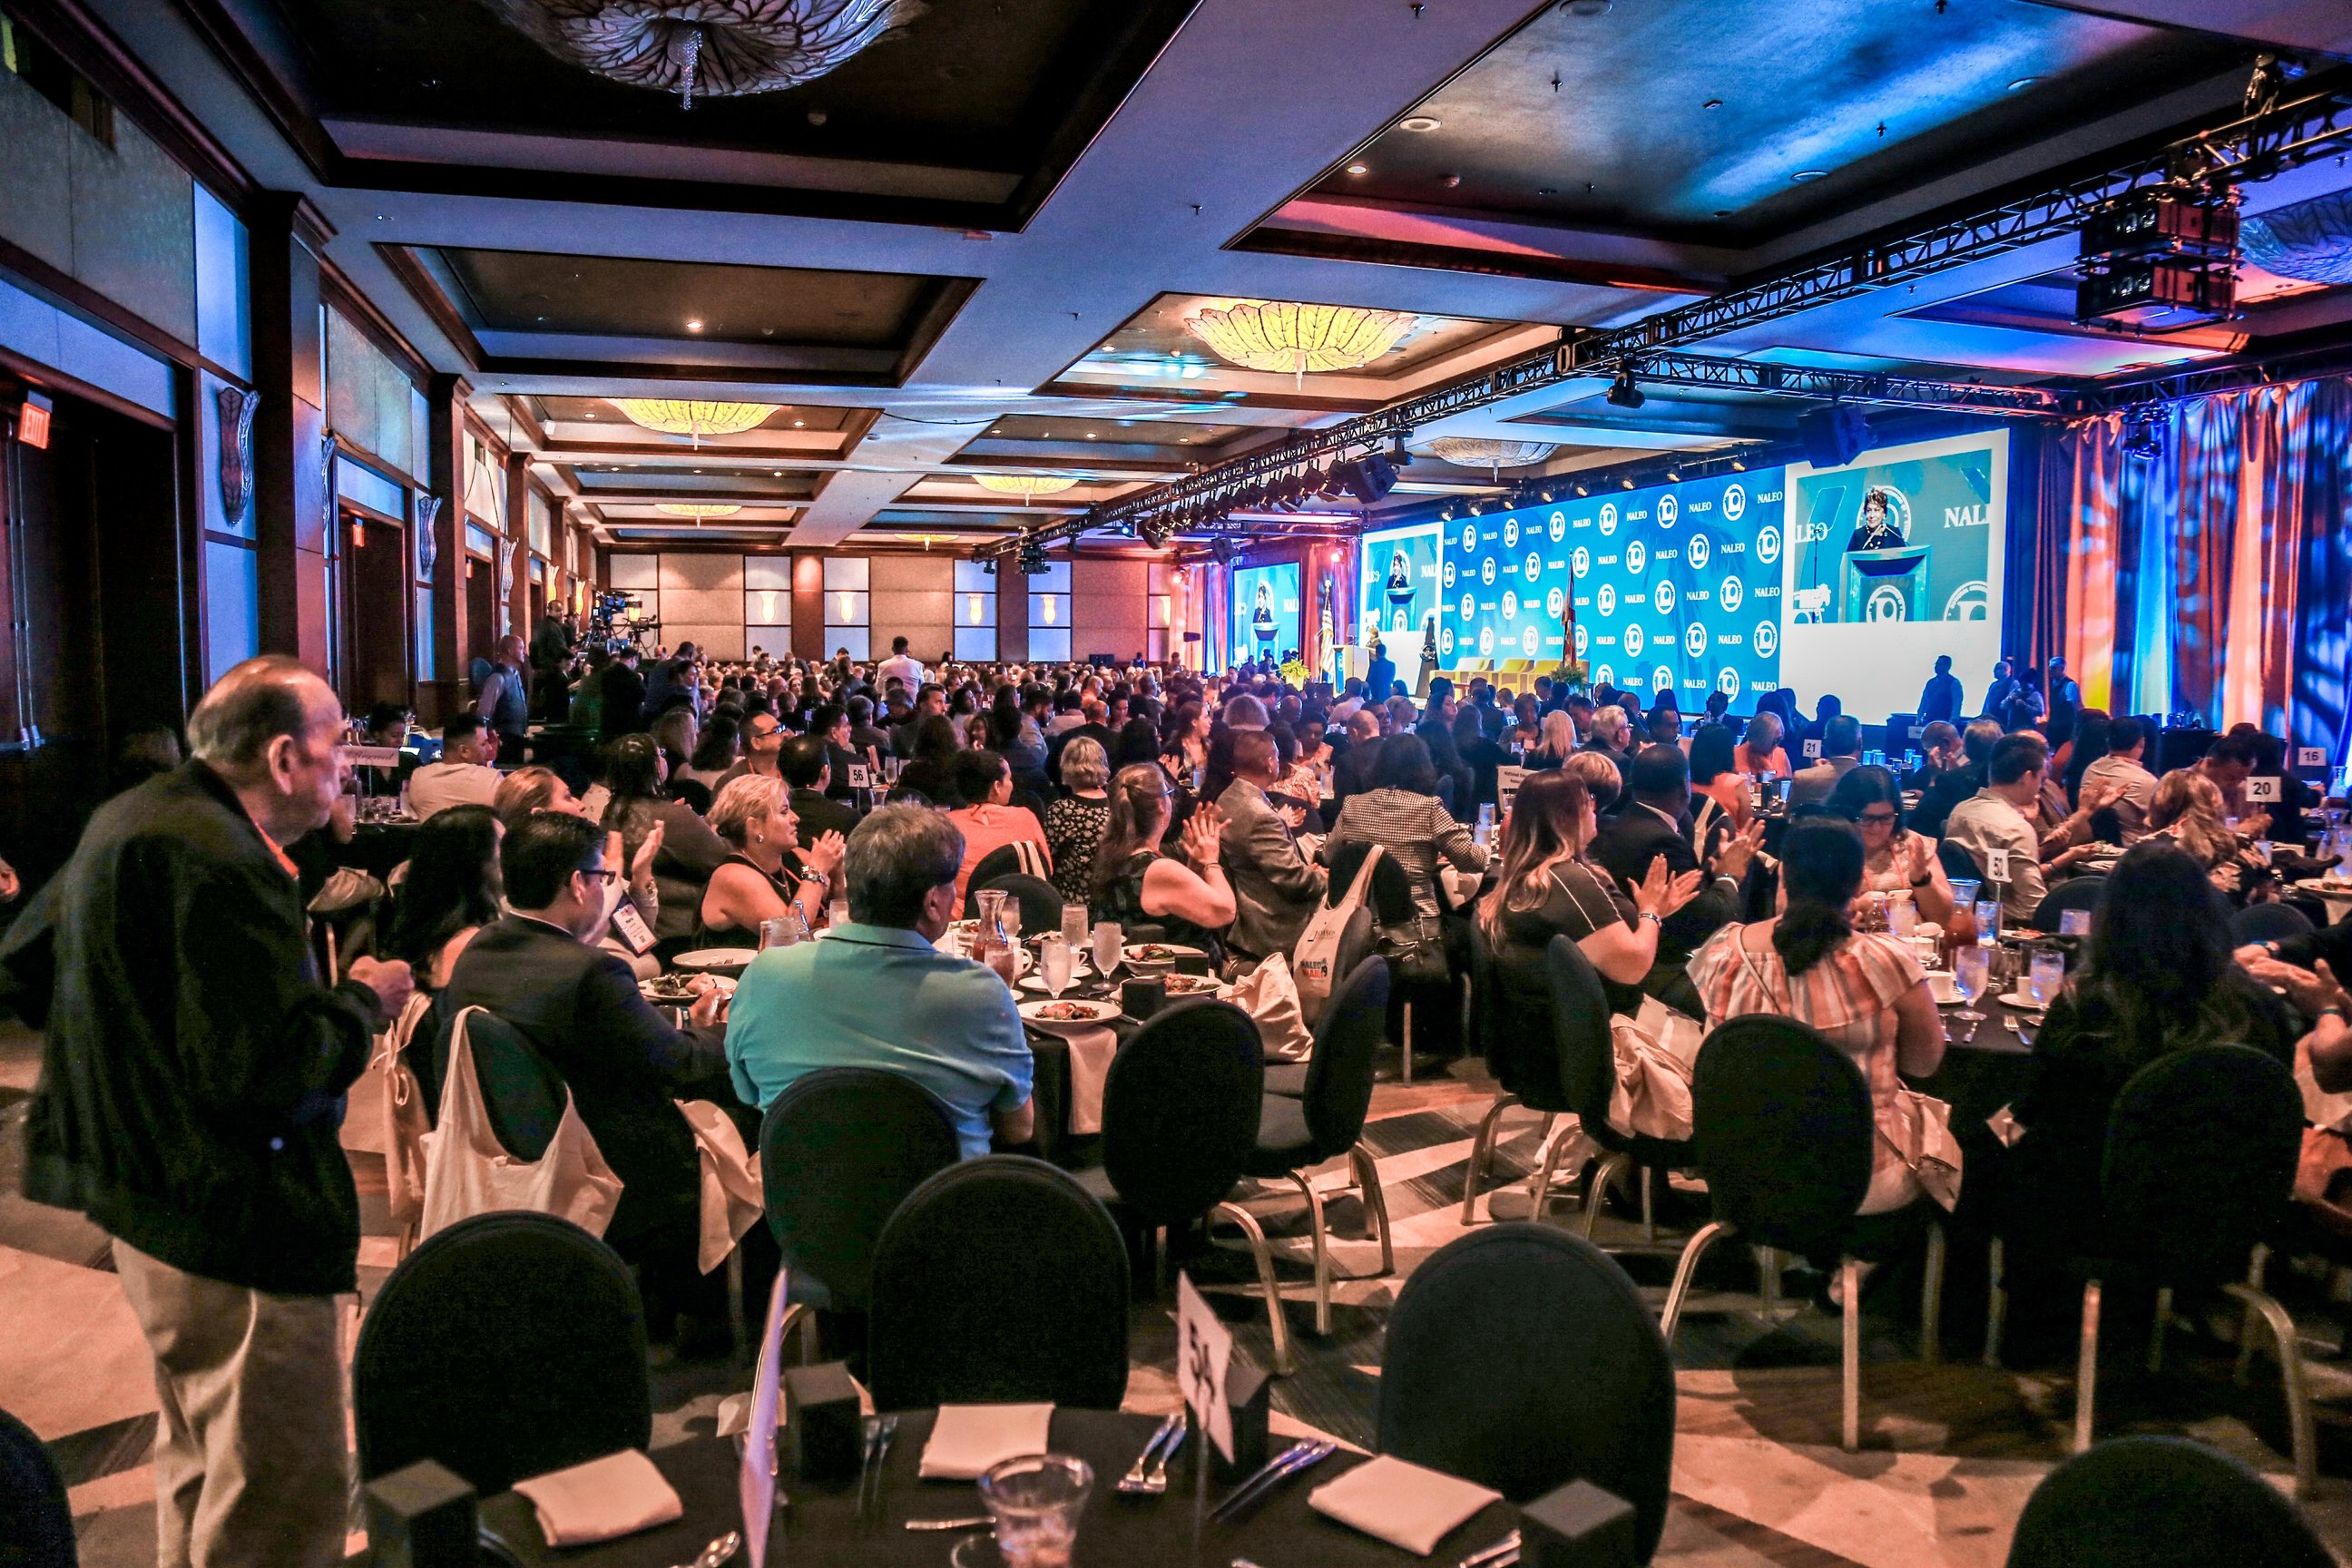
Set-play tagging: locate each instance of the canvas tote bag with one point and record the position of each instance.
(1312, 959)
(467, 1172)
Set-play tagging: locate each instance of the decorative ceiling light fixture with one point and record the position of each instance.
(696, 509)
(683, 416)
(1028, 487)
(1470, 452)
(720, 48)
(1279, 335)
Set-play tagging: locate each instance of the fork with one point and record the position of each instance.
(1297, 1458)
(1136, 1483)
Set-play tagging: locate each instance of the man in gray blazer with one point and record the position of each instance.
(1275, 886)
(1841, 754)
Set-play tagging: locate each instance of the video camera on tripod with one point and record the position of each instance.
(616, 619)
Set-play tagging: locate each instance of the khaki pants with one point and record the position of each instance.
(252, 1465)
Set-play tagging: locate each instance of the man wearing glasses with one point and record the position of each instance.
(578, 1005)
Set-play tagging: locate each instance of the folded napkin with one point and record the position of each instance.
(1402, 1504)
(967, 1439)
(602, 1499)
(1090, 1053)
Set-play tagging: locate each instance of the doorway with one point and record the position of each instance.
(481, 605)
(375, 654)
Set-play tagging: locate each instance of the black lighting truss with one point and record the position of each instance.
(2246, 150)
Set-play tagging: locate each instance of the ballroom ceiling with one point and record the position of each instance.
(978, 246)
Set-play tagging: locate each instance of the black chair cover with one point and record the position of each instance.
(1004, 860)
(2268, 922)
(1040, 901)
(839, 1152)
(1391, 891)
(1572, 1065)
(2074, 893)
(521, 1091)
(1522, 1358)
(1959, 862)
(2200, 1163)
(1338, 1090)
(1181, 1110)
(1000, 1279)
(2160, 1502)
(505, 1346)
(1782, 1129)
(35, 1520)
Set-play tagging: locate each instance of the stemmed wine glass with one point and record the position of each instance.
(1969, 967)
(1107, 946)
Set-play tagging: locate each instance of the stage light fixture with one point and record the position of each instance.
(1624, 392)
(1673, 476)
(1628, 481)
(1397, 456)
(1478, 509)
(1544, 495)
(1740, 465)
(988, 567)
(2146, 435)
(1445, 512)
(1584, 490)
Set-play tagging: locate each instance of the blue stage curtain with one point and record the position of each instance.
(2215, 581)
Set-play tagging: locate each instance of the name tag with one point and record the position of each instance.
(2263, 789)
(631, 928)
(1813, 750)
(1997, 865)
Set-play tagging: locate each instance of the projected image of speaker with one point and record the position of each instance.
(1833, 436)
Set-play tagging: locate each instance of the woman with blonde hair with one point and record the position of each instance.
(1556, 743)
(765, 872)
(1134, 883)
(2188, 810)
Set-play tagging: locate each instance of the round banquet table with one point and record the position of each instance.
(821, 1525)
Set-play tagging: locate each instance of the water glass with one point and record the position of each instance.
(1074, 926)
(1036, 1499)
(836, 914)
(1970, 967)
(1988, 913)
(1008, 920)
(1902, 916)
(1109, 939)
(2073, 923)
(1964, 891)
(1054, 961)
(2045, 977)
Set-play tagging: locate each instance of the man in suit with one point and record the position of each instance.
(1090, 715)
(1380, 676)
(1957, 782)
(579, 1006)
(807, 767)
(1841, 754)
(1941, 698)
(1358, 765)
(624, 703)
(1656, 826)
(1275, 887)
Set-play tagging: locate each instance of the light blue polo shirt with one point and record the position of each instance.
(881, 997)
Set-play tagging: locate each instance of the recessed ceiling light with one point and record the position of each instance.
(1092, 436)
(2021, 83)
(800, 424)
(1418, 122)
(1358, 169)
(1802, 176)
(775, 473)
(694, 326)
(1712, 104)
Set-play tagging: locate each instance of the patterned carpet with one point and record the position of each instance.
(1950, 1452)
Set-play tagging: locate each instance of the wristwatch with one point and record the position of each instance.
(1651, 916)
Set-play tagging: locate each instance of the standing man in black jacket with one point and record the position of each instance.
(189, 1102)
(1655, 823)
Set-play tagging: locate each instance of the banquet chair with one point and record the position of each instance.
(522, 1092)
(505, 1346)
(999, 1280)
(2268, 922)
(1958, 862)
(1521, 1358)
(1392, 910)
(1327, 1119)
(1357, 940)
(1180, 1120)
(1784, 1135)
(1586, 1052)
(1040, 901)
(2232, 1117)
(1523, 1056)
(2074, 893)
(839, 1151)
(1020, 858)
(35, 1520)
(2160, 1502)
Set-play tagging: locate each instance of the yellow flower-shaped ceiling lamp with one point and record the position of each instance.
(1028, 487)
(1472, 452)
(684, 416)
(1277, 335)
(696, 509)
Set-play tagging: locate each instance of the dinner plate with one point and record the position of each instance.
(723, 983)
(2023, 1000)
(1158, 952)
(1098, 1013)
(717, 960)
(1191, 985)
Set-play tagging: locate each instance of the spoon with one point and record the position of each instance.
(720, 1549)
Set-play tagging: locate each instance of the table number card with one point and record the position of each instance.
(2259, 791)
(1204, 1353)
(372, 756)
(2311, 756)
(755, 1482)
(1813, 750)
(1997, 865)
(860, 776)
(1507, 787)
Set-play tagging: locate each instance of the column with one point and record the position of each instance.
(444, 399)
(292, 511)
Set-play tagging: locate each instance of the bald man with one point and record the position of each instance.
(190, 1094)
(503, 702)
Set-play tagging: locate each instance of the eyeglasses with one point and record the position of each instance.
(1876, 818)
(599, 874)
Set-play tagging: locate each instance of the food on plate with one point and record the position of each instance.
(1152, 952)
(1064, 1012)
(671, 988)
(1191, 985)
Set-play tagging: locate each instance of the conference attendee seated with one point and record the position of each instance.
(530, 789)
(1275, 887)
(2121, 771)
(1995, 817)
(1353, 770)
(1611, 730)
(627, 1067)
(1406, 819)
(805, 764)
(763, 743)
(1655, 828)
(1841, 754)
(1940, 753)
(631, 803)
(1954, 785)
(1864, 990)
(988, 819)
(2229, 763)
(451, 892)
(1760, 750)
(768, 876)
(1135, 883)
(1545, 888)
(462, 774)
(877, 993)
(1895, 861)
